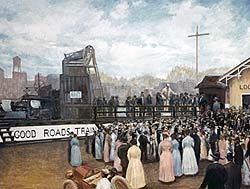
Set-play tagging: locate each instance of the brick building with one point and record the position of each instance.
(13, 88)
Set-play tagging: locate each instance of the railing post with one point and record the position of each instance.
(134, 112)
(115, 111)
(153, 113)
(95, 113)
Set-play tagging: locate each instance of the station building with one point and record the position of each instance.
(232, 88)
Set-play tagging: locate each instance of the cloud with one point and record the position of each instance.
(120, 11)
(137, 3)
(130, 37)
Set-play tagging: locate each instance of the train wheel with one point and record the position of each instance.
(69, 184)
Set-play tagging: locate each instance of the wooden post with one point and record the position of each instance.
(153, 113)
(134, 112)
(197, 35)
(95, 113)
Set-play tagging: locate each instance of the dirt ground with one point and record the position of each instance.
(43, 166)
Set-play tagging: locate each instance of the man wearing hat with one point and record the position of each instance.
(213, 140)
(216, 175)
(197, 145)
(233, 172)
(238, 152)
(216, 105)
(122, 154)
(143, 146)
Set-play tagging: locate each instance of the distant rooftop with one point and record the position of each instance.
(211, 82)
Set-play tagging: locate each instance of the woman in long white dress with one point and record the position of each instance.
(98, 147)
(203, 145)
(135, 172)
(189, 163)
(112, 146)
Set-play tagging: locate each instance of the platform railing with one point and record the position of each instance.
(143, 112)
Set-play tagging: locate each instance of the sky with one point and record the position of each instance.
(130, 37)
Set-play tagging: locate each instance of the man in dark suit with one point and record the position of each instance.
(213, 140)
(238, 152)
(197, 146)
(122, 154)
(143, 146)
(216, 175)
(71, 135)
(233, 172)
(202, 103)
(141, 102)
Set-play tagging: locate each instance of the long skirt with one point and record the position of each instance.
(189, 163)
(177, 163)
(76, 158)
(245, 173)
(166, 170)
(135, 174)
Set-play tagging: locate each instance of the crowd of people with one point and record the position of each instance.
(172, 99)
(179, 144)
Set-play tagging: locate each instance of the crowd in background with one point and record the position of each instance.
(181, 99)
(179, 144)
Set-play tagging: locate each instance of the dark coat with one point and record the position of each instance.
(197, 147)
(234, 176)
(69, 149)
(122, 154)
(197, 143)
(143, 141)
(248, 150)
(215, 177)
(93, 145)
(202, 101)
(238, 154)
(212, 141)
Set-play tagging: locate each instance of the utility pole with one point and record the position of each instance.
(197, 35)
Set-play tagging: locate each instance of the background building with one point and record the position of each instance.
(13, 88)
(232, 88)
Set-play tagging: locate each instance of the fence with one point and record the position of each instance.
(143, 112)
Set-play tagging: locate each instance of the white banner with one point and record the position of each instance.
(45, 132)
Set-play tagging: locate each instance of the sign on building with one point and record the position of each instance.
(75, 94)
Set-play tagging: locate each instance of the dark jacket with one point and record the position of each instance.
(238, 154)
(248, 150)
(215, 177)
(122, 154)
(143, 141)
(197, 143)
(234, 176)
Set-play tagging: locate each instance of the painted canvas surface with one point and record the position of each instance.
(64, 59)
